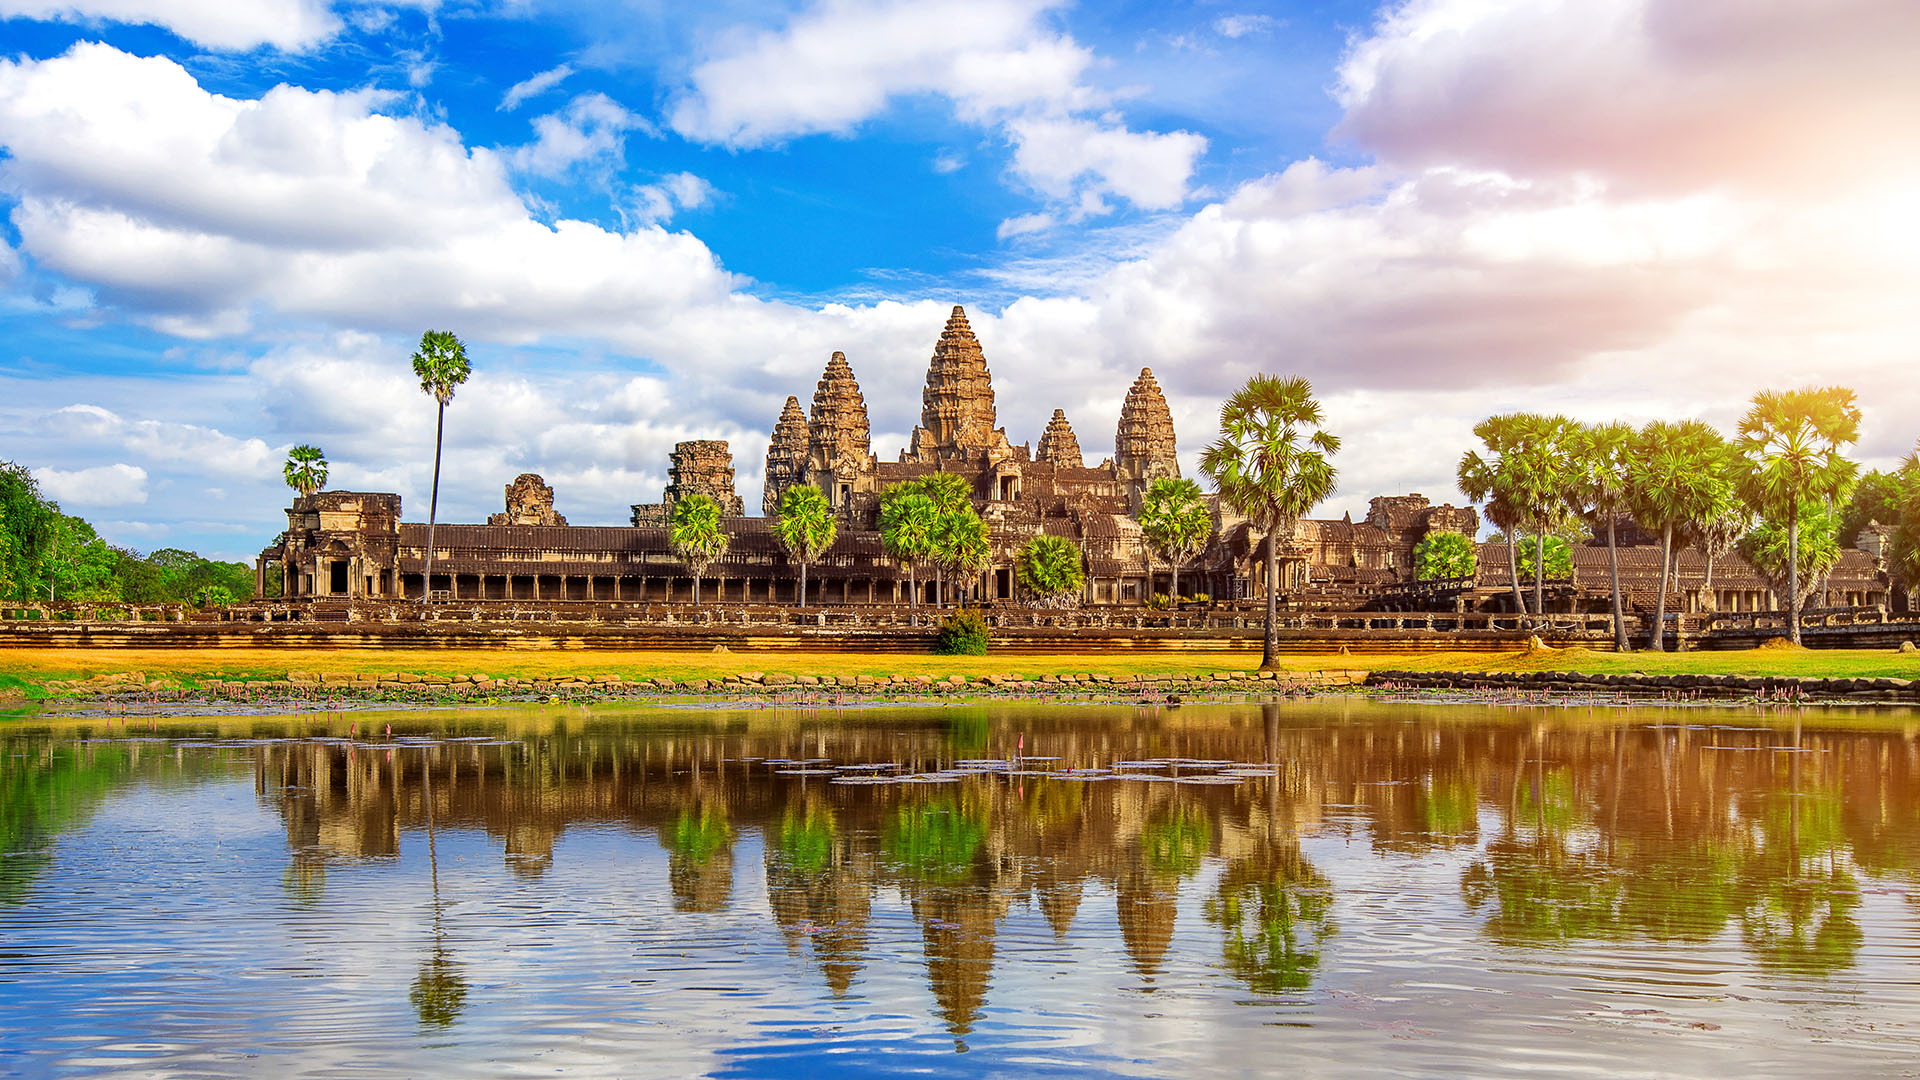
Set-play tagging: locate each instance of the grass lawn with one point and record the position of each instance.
(28, 670)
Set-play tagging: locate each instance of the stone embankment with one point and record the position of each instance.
(1767, 687)
(408, 688)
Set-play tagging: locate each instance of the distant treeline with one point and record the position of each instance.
(46, 554)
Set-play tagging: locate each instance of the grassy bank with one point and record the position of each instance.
(27, 672)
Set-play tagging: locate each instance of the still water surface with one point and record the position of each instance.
(1316, 889)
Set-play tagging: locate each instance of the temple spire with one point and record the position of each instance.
(957, 405)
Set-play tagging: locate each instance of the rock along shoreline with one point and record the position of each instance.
(1765, 688)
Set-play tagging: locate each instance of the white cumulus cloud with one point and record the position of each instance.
(105, 485)
(290, 25)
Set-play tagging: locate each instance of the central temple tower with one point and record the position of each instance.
(957, 413)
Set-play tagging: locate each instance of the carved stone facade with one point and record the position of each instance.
(698, 467)
(529, 502)
(1143, 446)
(786, 456)
(839, 437)
(1058, 445)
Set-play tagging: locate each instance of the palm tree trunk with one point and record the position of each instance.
(1270, 649)
(913, 586)
(1620, 643)
(1513, 570)
(1175, 564)
(803, 585)
(1540, 570)
(939, 586)
(696, 588)
(1656, 637)
(1793, 572)
(433, 504)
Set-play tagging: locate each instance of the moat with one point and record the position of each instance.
(1340, 887)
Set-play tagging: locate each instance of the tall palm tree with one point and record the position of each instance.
(1789, 453)
(1270, 464)
(1489, 480)
(441, 365)
(952, 499)
(1173, 515)
(907, 522)
(1535, 472)
(697, 536)
(1602, 455)
(960, 545)
(306, 469)
(1679, 477)
(806, 528)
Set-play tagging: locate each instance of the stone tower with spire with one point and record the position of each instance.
(839, 436)
(1143, 449)
(1058, 445)
(786, 456)
(957, 413)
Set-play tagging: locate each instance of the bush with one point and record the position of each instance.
(1202, 598)
(964, 633)
(1159, 602)
(212, 596)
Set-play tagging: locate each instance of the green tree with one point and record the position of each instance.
(1444, 555)
(1535, 472)
(1679, 477)
(1602, 489)
(1817, 547)
(1271, 464)
(1876, 497)
(1721, 534)
(1049, 567)
(908, 519)
(1493, 479)
(441, 366)
(306, 469)
(697, 536)
(952, 498)
(1558, 552)
(1903, 548)
(1789, 453)
(212, 596)
(27, 533)
(1174, 517)
(960, 545)
(805, 529)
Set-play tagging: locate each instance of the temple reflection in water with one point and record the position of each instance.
(1590, 831)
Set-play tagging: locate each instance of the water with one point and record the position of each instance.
(1351, 888)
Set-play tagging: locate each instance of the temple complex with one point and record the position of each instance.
(350, 545)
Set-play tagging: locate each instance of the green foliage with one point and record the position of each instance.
(1175, 519)
(1177, 842)
(1158, 601)
(1277, 914)
(1879, 496)
(439, 992)
(306, 469)
(212, 596)
(908, 521)
(441, 365)
(27, 534)
(805, 528)
(1444, 555)
(1819, 546)
(1682, 477)
(960, 542)
(699, 835)
(1559, 557)
(1531, 475)
(1789, 454)
(697, 536)
(1049, 567)
(963, 633)
(805, 842)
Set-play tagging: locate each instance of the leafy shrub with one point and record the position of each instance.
(964, 633)
(1159, 602)
(1202, 598)
(212, 596)
(1444, 555)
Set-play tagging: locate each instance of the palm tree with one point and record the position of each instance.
(1173, 515)
(441, 365)
(1049, 567)
(952, 499)
(1271, 465)
(1535, 472)
(1488, 480)
(697, 536)
(1721, 533)
(1678, 476)
(907, 522)
(1788, 453)
(306, 469)
(806, 528)
(1603, 453)
(960, 544)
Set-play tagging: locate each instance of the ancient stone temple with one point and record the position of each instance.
(1143, 446)
(698, 467)
(786, 456)
(839, 437)
(1058, 445)
(957, 405)
(529, 502)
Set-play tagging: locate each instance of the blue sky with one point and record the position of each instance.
(225, 225)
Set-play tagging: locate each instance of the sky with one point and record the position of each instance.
(226, 226)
